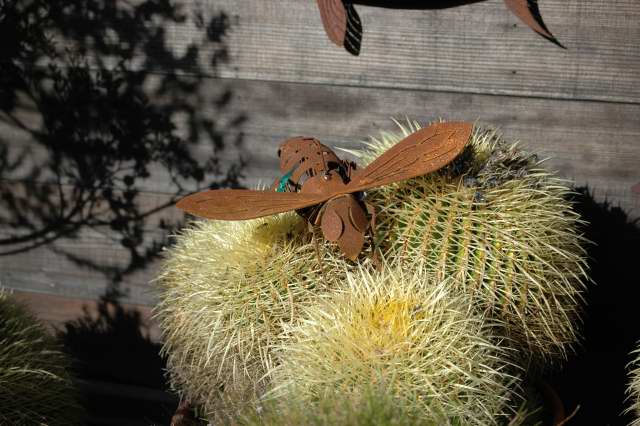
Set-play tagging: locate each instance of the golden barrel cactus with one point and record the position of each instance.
(494, 227)
(500, 226)
(226, 290)
(398, 332)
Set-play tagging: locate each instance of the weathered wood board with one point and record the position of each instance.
(579, 106)
(591, 142)
(477, 48)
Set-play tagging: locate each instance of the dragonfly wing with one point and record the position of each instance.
(422, 152)
(241, 204)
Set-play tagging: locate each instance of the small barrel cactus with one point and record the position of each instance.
(397, 332)
(35, 384)
(226, 290)
(370, 407)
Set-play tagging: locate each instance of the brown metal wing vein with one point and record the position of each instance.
(241, 204)
(424, 151)
(334, 19)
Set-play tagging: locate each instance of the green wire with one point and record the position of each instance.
(282, 185)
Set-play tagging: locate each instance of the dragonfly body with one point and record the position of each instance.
(328, 191)
(345, 222)
(313, 168)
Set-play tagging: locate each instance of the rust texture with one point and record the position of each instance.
(529, 13)
(306, 157)
(344, 28)
(184, 415)
(327, 191)
(334, 19)
(342, 24)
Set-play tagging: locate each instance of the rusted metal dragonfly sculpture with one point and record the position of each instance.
(344, 27)
(328, 191)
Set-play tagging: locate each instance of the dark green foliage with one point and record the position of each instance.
(35, 385)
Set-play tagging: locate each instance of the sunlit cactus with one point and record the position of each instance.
(374, 407)
(395, 331)
(493, 227)
(501, 228)
(35, 384)
(226, 290)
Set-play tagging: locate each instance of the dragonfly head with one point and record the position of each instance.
(308, 156)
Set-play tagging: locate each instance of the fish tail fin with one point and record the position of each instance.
(529, 13)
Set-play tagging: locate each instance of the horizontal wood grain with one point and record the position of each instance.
(593, 143)
(479, 48)
(84, 265)
(476, 48)
(51, 272)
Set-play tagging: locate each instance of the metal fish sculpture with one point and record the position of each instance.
(344, 27)
(328, 191)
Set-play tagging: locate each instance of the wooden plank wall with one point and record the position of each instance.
(280, 76)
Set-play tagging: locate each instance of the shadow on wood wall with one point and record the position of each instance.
(103, 128)
(119, 370)
(78, 78)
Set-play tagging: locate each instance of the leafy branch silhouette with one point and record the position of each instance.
(113, 119)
